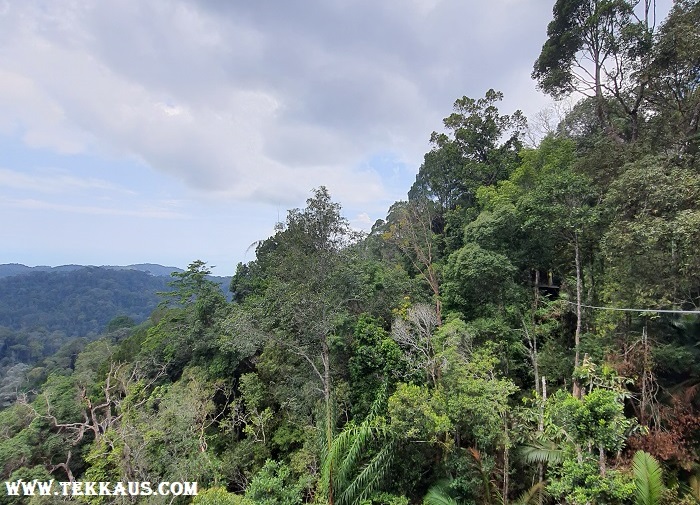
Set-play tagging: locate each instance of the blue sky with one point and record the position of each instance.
(172, 130)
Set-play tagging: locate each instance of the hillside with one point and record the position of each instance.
(523, 328)
(80, 300)
(10, 269)
(47, 310)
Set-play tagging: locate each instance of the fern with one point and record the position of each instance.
(532, 495)
(343, 472)
(542, 453)
(647, 479)
(438, 495)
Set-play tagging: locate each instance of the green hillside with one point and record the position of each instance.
(523, 328)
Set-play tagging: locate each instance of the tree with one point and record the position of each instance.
(562, 211)
(650, 246)
(161, 433)
(376, 361)
(473, 152)
(274, 485)
(219, 496)
(192, 288)
(466, 409)
(577, 434)
(476, 278)
(414, 334)
(12, 384)
(675, 91)
(598, 48)
(305, 296)
(187, 331)
(410, 229)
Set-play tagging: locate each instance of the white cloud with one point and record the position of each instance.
(189, 111)
(55, 181)
(144, 212)
(250, 101)
(362, 222)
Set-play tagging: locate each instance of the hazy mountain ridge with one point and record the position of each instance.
(81, 300)
(10, 269)
(78, 302)
(45, 309)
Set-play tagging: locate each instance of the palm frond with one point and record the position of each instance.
(541, 453)
(647, 479)
(531, 495)
(343, 470)
(353, 453)
(369, 479)
(438, 495)
(334, 455)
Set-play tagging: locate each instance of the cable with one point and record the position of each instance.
(665, 311)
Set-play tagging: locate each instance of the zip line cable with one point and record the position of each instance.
(665, 311)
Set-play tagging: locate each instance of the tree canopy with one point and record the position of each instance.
(522, 328)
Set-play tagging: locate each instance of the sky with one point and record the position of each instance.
(165, 131)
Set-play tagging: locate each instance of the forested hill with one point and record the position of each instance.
(77, 301)
(523, 328)
(80, 300)
(10, 269)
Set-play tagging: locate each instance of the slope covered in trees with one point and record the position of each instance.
(45, 310)
(77, 302)
(522, 329)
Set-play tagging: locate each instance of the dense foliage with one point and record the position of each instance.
(77, 302)
(523, 329)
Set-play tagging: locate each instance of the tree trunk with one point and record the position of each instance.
(438, 309)
(532, 352)
(533, 339)
(540, 428)
(577, 335)
(325, 357)
(506, 461)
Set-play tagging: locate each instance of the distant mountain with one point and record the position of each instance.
(149, 268)
(44, 310)
(77, 302)
(10, 269)
(81, 300)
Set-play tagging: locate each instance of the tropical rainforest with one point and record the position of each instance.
(524, 328)
(44, 310)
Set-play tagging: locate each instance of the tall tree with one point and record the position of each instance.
(410, 229)
(675, 89)
(598, 48)
(305, 296)
(471, 153)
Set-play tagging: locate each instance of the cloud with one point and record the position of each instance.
(55, 181)
(146, 212)
(257, 100)
(362, 222)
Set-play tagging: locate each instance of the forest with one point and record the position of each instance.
(523, 328)
(44, 310)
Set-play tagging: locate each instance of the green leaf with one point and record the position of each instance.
(438, 495)
(647, 479)
(548, 453)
